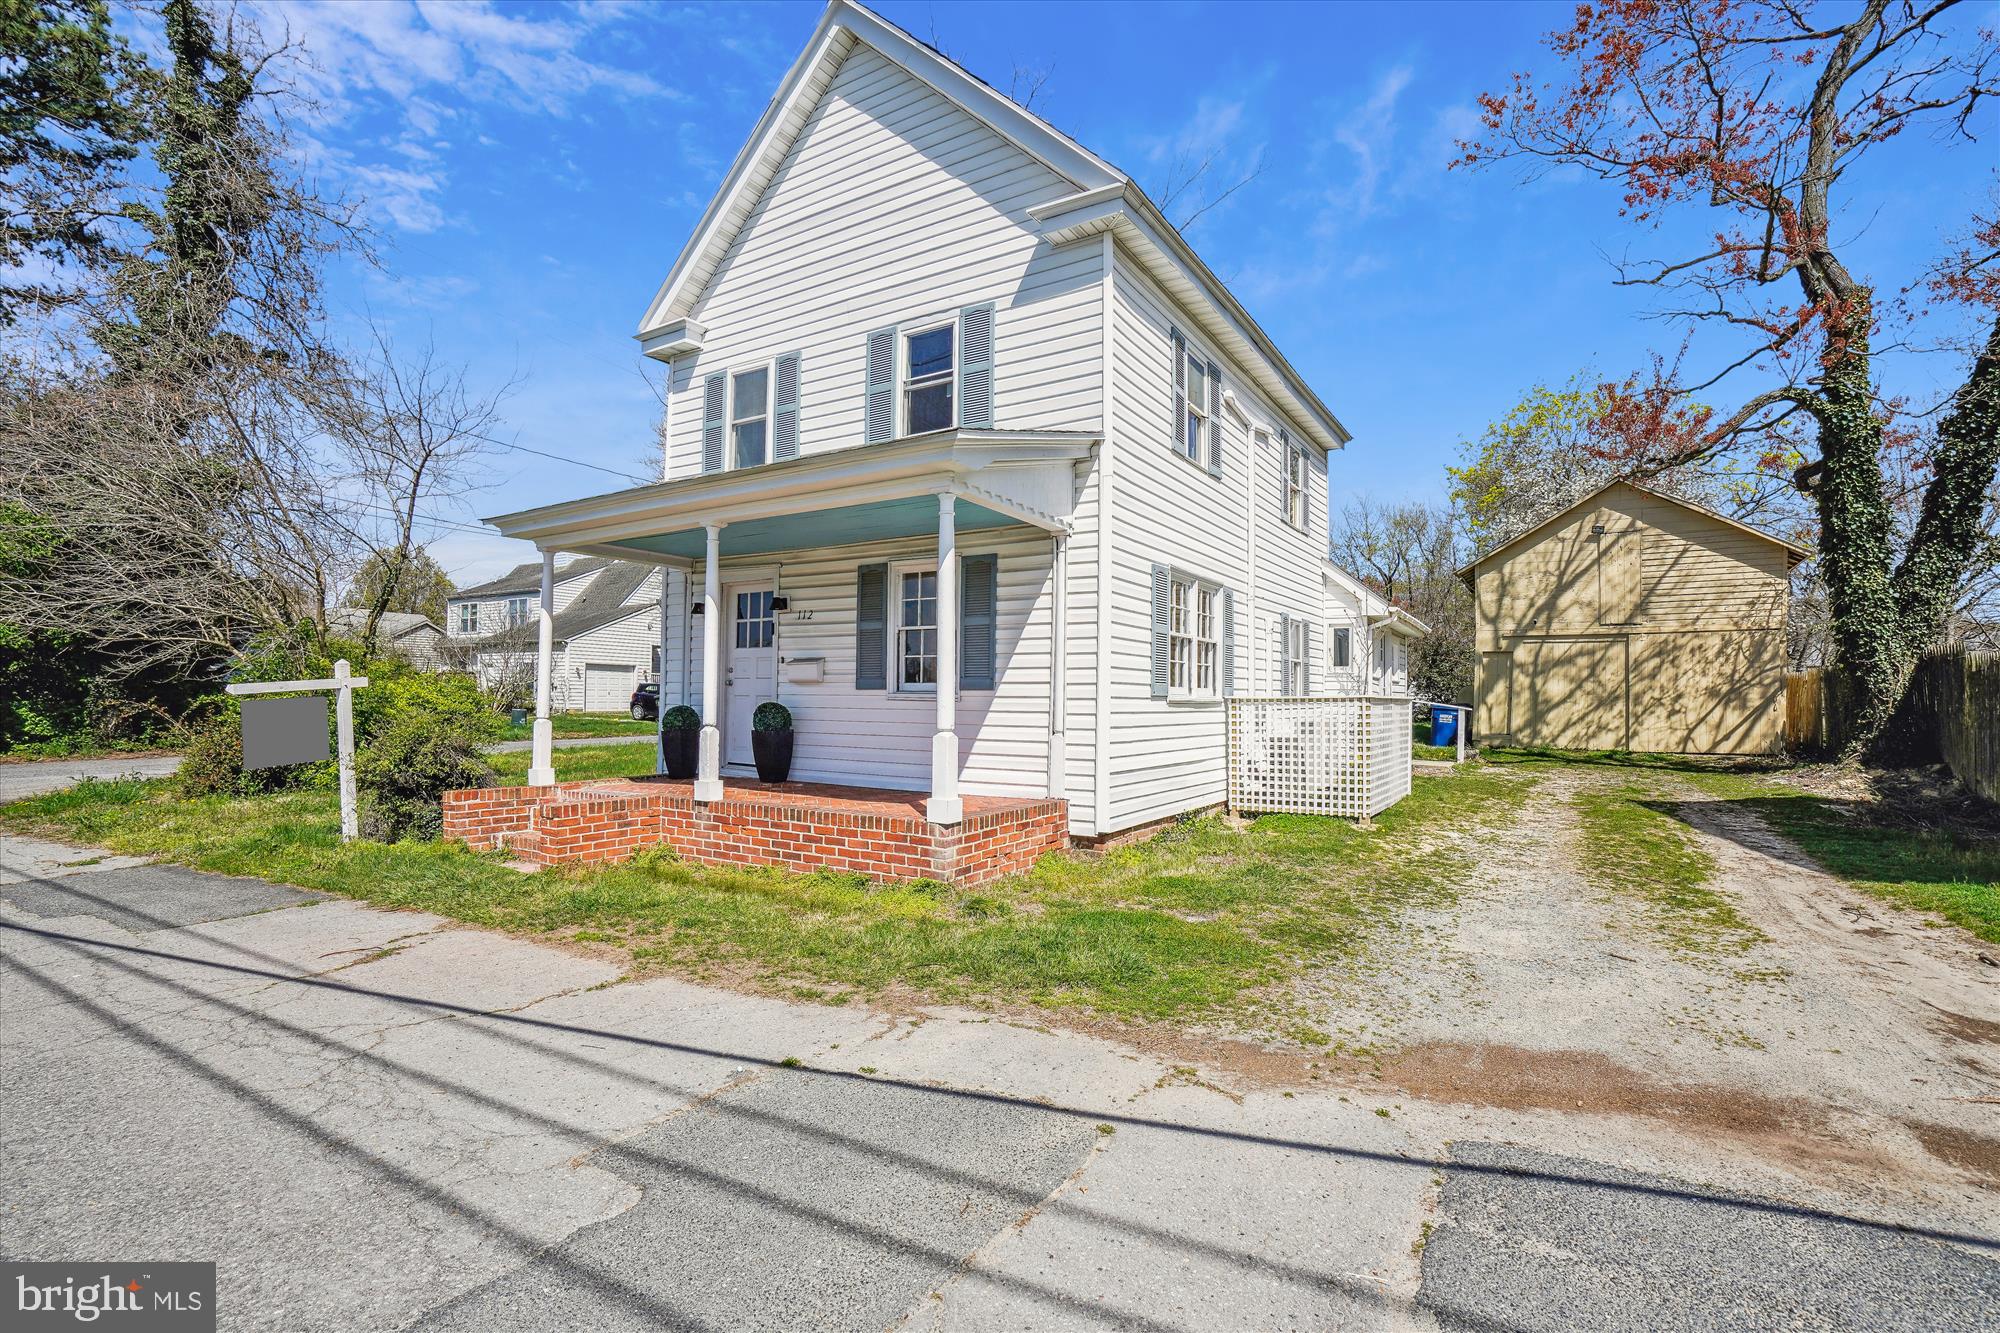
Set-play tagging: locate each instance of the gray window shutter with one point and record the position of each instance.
(1180, 390)
(871, 627)
(975, 367)
(881, 386)
(785, 408)
(1228, 642)
(1214, 420)
(714, 390)
(1161, 594)
(978, 614)
(1284, 654)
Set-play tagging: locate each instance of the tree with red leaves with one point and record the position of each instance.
(1759, 111)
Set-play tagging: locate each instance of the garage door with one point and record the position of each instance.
(608, 689)
(1570, 694)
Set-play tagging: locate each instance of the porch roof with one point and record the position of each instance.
(863, 493)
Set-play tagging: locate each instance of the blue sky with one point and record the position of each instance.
(534, 169)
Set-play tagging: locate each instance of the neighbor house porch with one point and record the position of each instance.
(904, 601)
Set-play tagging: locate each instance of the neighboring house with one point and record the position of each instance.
(606, 637)
(1367, 638)
(405, 634)
(1633, 621)
(921, 330)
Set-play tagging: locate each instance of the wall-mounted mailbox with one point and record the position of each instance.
(805, 670)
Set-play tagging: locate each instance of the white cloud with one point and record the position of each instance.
(1369, 133)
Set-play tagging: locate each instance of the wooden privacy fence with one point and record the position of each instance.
(1952, 715)
(1341, 756)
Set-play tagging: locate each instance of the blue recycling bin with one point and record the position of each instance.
(1444, 726)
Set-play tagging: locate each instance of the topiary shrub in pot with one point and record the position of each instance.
(680, 740)
(771, 739)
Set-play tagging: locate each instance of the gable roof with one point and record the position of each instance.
(1104, 200)
(528, 578)
(602, 603)
(393, 624)
(1793, 553)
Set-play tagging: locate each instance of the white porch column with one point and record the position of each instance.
(1058, 676)
(708, 772)
(542, 769)
(944, 806)
(660, 676)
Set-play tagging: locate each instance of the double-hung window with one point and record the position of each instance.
(750, 417)
(468, 617)
(916, 642)
(1191, 639)
(517, 612)
(1297, 679)
(928, 380)
(1194, 429)
(1296, 473)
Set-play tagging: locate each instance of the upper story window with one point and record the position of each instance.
(468, 617)
(1296, 474)
(1341, 649)
(1194, 427)
(928, 380)
(750, 417)
(517, 612)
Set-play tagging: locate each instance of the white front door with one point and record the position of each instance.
(750, 665)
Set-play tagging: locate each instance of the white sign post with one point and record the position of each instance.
(344, 684)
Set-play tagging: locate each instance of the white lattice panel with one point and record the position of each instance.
(1345, 756)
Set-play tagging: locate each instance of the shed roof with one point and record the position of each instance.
(1793, 552)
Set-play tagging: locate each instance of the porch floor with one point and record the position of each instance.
(882, 834)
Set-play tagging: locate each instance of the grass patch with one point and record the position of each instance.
(1204, 922)
(1634, 847)
(1447, 754)
(580, 726)
(1951, 875)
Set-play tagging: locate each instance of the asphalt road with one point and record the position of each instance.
(377, 1120)
(34, 777)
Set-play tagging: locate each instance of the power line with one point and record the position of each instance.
(558, 458)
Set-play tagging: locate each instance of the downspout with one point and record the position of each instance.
(1058, 669)
(1250, 527)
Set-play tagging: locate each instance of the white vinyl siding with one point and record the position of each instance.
(896, 208)
(882, 738)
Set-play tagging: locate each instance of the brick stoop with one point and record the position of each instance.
(797, 825)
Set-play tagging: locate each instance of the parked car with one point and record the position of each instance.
(646, 703)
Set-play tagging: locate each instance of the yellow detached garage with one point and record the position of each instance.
(1633, 620)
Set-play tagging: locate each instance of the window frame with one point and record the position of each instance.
(1194, 410)
(468, 617)
(1297, 677)
(730, 421)
(1298, 484)
(1340, 648)
(897, 572)
(906, 384)
(1194, 638)
(512, 620)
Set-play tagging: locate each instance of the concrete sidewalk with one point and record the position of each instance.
(376, 1119)
(38, 776)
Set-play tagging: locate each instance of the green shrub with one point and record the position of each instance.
(681, 718)
(771, 716)
(212, 764)
(404, 771)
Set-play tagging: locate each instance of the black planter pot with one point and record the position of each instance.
(774, 754)
(682, 752)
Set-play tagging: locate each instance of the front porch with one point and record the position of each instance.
(803, 826)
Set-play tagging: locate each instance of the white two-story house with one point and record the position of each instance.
(972, 462)
(606, 639)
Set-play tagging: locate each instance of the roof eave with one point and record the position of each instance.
(1124, 210)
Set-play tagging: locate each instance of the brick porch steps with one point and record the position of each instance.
(797, 825)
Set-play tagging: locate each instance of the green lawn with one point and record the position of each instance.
(580, 726)
(1635, 848)
(1204, 922)
(1952, 875)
